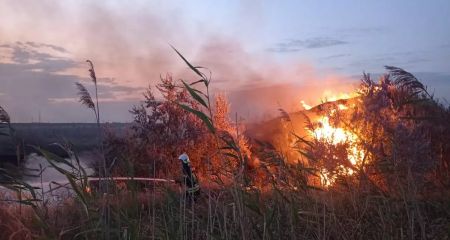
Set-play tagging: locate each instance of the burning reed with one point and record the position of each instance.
(374, 166)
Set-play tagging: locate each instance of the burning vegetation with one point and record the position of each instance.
(372, 164)
(391, 131)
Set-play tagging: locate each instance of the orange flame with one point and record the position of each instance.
(329, 96)
(335, 135)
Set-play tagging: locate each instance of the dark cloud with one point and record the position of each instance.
(32, 55)
(53, 47)
(335, 56)
(295, 45)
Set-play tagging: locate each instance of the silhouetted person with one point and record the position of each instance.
(189, 179)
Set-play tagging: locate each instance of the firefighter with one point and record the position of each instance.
(189, 179)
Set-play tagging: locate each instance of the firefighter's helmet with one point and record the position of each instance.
(184, 158)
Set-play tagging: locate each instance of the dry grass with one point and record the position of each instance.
(11, 226)
(401, 192)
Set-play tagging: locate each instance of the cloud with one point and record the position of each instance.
(33, 80)
(295, 45)
(36, 56)
(335, 56)
(40, 45)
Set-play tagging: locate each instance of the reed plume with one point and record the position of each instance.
(85, 96)
(92, 71)
(4, 117)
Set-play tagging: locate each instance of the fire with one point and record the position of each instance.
(335, 135)
(305, 106)
(342, 107)
(330, 97)
(329, 134)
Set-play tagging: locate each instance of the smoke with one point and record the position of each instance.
(129, 45)
(258, 85)
(263, 102)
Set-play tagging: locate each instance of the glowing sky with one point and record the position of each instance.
(246, 44)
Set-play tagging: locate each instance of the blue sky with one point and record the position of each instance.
(257, 44)
(366, 34)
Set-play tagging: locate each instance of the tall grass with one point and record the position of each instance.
(273, 199)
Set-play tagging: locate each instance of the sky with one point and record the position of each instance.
(263, 54)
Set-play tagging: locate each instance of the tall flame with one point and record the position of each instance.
(329, 134)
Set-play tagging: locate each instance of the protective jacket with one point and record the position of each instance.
(189, 179)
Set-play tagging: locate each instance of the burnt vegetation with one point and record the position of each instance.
(388, 180)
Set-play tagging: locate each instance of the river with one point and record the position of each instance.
(35, 164)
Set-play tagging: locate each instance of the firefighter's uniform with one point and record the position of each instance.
(190, 179)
